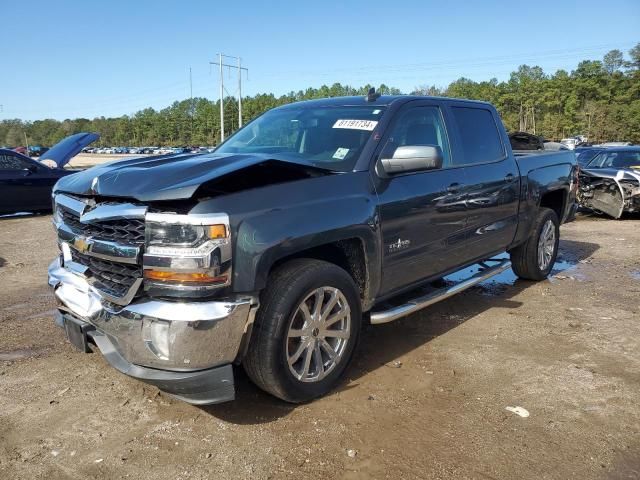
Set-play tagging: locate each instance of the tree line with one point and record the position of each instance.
(599, 99)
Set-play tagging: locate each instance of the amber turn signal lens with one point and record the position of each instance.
(183, 277)
(217, 231)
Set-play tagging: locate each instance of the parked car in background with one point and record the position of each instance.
(267, 252)
(37, 150)
(26, 184)
(523, 142)
(554, 146)
(615, 144)
(571, 143)
(610, 182)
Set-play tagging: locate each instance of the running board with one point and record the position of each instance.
(394, 313)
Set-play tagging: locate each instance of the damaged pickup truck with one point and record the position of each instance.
(272, 251)
(610, 183)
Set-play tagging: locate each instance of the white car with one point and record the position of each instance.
(570, 143)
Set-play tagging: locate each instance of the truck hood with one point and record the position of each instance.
(613, 173)
(69, 147)
(178, 177)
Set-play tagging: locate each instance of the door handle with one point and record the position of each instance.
(454, 188)
(509, 178)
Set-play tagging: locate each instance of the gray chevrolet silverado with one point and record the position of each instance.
(274, 250)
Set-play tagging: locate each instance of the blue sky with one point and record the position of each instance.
(66, 59)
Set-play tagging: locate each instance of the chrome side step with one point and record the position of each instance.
(394, 313)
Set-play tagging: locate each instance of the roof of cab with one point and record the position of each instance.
(383, 100)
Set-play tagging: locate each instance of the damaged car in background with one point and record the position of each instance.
(610, 183)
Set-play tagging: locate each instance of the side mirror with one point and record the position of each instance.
(413, 158)
(29, 170)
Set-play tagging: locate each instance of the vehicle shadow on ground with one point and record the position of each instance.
(626, 216)
(381, 345)
(25, 215)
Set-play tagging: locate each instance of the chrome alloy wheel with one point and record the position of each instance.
(546, 245)
(318, 334)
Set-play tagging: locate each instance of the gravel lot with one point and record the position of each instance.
(425, 398)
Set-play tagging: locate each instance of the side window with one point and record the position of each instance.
(420, 126)
(479, 136)
(11, 162)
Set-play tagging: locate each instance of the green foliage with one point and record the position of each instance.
(600, 99)
(597, 99)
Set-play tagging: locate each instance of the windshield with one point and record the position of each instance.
(626, 159)
(327, 137)
(585, 156)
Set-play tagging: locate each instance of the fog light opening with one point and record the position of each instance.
(156, 336)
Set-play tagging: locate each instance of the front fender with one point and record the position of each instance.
(278, 221)
(264, 240)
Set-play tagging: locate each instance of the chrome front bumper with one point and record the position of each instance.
(176, 337)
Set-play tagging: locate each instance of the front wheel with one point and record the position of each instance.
(534, 259)
(305, 330)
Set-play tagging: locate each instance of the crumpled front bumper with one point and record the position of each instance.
(184, 348)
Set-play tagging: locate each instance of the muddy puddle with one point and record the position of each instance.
(563, 269)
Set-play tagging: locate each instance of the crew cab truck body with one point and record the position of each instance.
(273, 250)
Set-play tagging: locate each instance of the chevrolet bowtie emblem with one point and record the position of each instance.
(81, 244)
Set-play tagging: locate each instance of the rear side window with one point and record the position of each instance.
(11, 162)
(479, 136)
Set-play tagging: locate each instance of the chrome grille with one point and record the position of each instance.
(112, 278)
(104, 243)
(129, 231)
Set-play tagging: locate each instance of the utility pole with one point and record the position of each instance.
(221, 100)
(239, 92)
(240, 70)
(191, 106)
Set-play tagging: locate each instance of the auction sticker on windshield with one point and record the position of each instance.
(356, 124)
(340, 153)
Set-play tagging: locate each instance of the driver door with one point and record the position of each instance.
(422, 214)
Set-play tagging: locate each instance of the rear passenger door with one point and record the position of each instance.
(492, 176)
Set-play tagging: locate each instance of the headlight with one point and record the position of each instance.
(186, 254)
(57, 213)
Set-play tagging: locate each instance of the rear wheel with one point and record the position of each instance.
(305, 331)
(534, 259)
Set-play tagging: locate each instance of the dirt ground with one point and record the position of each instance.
(426, 396)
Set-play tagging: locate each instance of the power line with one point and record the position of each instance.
(474, 61)
(222, 89)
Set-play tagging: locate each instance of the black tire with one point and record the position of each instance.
(266, 362)
(524, 258)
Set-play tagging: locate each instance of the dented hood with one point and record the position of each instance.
(613, 173)
(173, 177)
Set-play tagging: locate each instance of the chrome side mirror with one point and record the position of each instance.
(413, 158)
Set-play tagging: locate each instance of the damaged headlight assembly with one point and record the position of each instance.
(186, 255)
